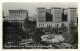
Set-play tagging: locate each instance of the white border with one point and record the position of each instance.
(38, 1)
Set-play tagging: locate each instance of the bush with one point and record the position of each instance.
(74, 33)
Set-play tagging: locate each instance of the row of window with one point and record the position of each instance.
(50, 25)
(16, 15)
(17, 12)
(43, 25)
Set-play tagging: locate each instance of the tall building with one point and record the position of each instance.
(55, 17)
(51, 17)
(16, 17)
(41, 17)
(72, 13)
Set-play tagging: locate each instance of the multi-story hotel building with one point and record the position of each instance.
(55, 17)
(41, 17)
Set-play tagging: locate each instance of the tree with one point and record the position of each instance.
(25, 23)
(29, 27)
(12, 32)
(74, 33)
(6, 25)
(29, 24)
(37, 35)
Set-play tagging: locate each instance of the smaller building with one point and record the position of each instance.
(16, 19)
(18, 14)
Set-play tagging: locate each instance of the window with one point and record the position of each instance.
(43, 25)
(39, 25)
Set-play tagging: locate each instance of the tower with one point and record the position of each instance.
(41, 17)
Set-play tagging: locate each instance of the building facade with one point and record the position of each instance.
(41, 17)
(18, 14)
(55, 17)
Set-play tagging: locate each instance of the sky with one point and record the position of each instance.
(32, 6)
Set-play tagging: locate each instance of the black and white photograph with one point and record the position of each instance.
(40, 25)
